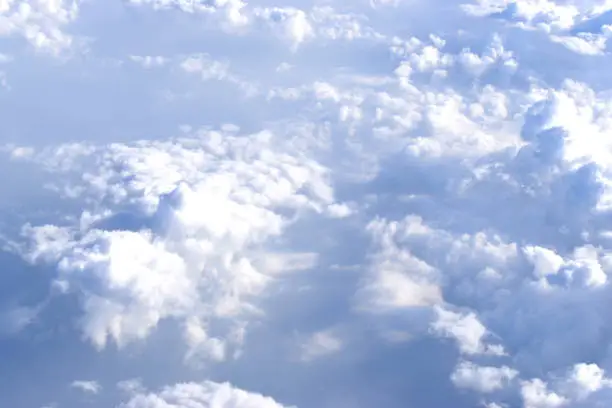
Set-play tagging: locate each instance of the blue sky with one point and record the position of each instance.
(314, 204)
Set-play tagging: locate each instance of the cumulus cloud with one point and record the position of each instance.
(586, 379)
(199, 223)
(382, 203)
(482, 379)
(228, 13)
(398, 279)
(292, 25)
(205, 394)
(536, 395)
(466, 330)
(40, 23)
(566, 22)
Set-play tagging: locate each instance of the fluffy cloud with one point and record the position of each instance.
(536, 395)
(482, 379)
(228, 12)
(390, 185)
(201, 395)
(40, 23)
(398, 279)
(199, 224)
(569, 22)
(292, 25)
(467, 331)
(586, 379)
(491, 258)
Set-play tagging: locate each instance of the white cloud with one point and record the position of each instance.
(229, 13)
(466, 330)
(471, 161)
(90, 387)
(586, 43)
(131, 386)
(321, 344)
(39, 22)
(586, 379)
(536, 395)
(212, 70)
(482, 379)
(18, 318)
(200, 395)
(397, 278)
(194, 251)
(562, 20)
(201, 345)
(148, 61)
(290, 24)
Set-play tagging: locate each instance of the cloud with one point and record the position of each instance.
(587, 379)
(292, 25)
(90, 387)
(563, 21)
(466, 330)
(17, 318)
(148, 61)
(398, 279)
(131, 386)
(199, 223)
(229, 13)
(205, 394)
(289, 23)
(536, 395)
(208, 69)
(381, 203)
(482, 379)
(321, 344)
(40, 23)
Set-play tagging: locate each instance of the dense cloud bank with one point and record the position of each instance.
(313, 204)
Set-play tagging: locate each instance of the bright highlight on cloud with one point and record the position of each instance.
(306, 204)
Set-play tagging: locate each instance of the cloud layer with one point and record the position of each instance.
(382, 203)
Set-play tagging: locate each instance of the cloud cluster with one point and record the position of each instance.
(581, 26)
(387, 189)
(40, 23)
(519, 239)
(200, 395)
(292, 25)
(180, 229)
